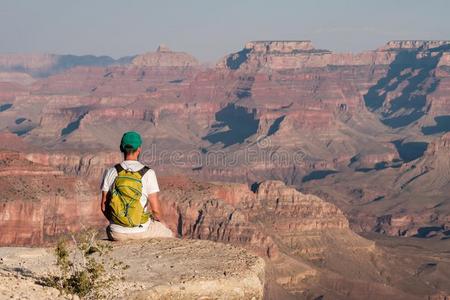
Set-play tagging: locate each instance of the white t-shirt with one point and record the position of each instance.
(149, 186)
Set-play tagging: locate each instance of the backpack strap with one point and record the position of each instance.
(143, 171)
(118, 168)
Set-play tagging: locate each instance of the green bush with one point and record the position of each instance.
(82, 267)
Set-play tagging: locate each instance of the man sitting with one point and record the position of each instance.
(127, 190)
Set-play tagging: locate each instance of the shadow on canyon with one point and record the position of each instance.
(5, 107)
(442, 125)
(417, 74)
(240, 122)
(410, 151)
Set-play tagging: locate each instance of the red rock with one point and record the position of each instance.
(39, 203)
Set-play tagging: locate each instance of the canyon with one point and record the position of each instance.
(280, 110)
(309, 248)
(280, 148)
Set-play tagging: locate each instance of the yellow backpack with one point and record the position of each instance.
(125, 207)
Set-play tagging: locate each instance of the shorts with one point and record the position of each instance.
(155, 230)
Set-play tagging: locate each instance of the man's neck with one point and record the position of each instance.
(130, 157)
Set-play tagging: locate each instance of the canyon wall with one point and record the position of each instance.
(306, 241)
(280, 110)
(39, 203)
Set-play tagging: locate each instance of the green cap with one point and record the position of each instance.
(130, 139)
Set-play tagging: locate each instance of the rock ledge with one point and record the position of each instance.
(159, 269)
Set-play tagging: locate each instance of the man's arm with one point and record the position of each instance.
(108, 178)
(155, 206)
(103, 203)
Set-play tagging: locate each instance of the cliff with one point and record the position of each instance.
(414, 44)
(32, 62)
(158, 269)
(278, 55)
(39, 203)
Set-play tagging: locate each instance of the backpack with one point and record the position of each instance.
(125, 207)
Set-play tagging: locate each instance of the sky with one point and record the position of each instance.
(210, 29)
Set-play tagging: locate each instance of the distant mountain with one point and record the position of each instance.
(41, 65)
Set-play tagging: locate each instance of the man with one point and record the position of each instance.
(128, 189)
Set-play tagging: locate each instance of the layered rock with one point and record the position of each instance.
(279, 46)
(300, 235)
(302, 54)
(232, 213)
(33, 62)
(88, 165)
(414, 44)
(39, 203)
(16, 77)
(277, 55)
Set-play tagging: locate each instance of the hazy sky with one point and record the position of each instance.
(209, 29)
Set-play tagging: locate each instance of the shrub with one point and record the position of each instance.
(82, 267)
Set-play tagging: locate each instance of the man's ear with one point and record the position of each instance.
(139, 151)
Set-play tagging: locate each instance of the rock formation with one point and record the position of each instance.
(39, 203)
(306, 241)
(278, 55)
(27, 61)
(414, 44)
(164, 57)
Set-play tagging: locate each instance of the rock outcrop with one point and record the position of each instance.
(39, 203)
(306, 241)
(32, 62)
(280, 46)
(17, 78)
(414, 44)
(158, 269)
(233, 213)
(164, 57)
(274, 55)
(278, 55)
